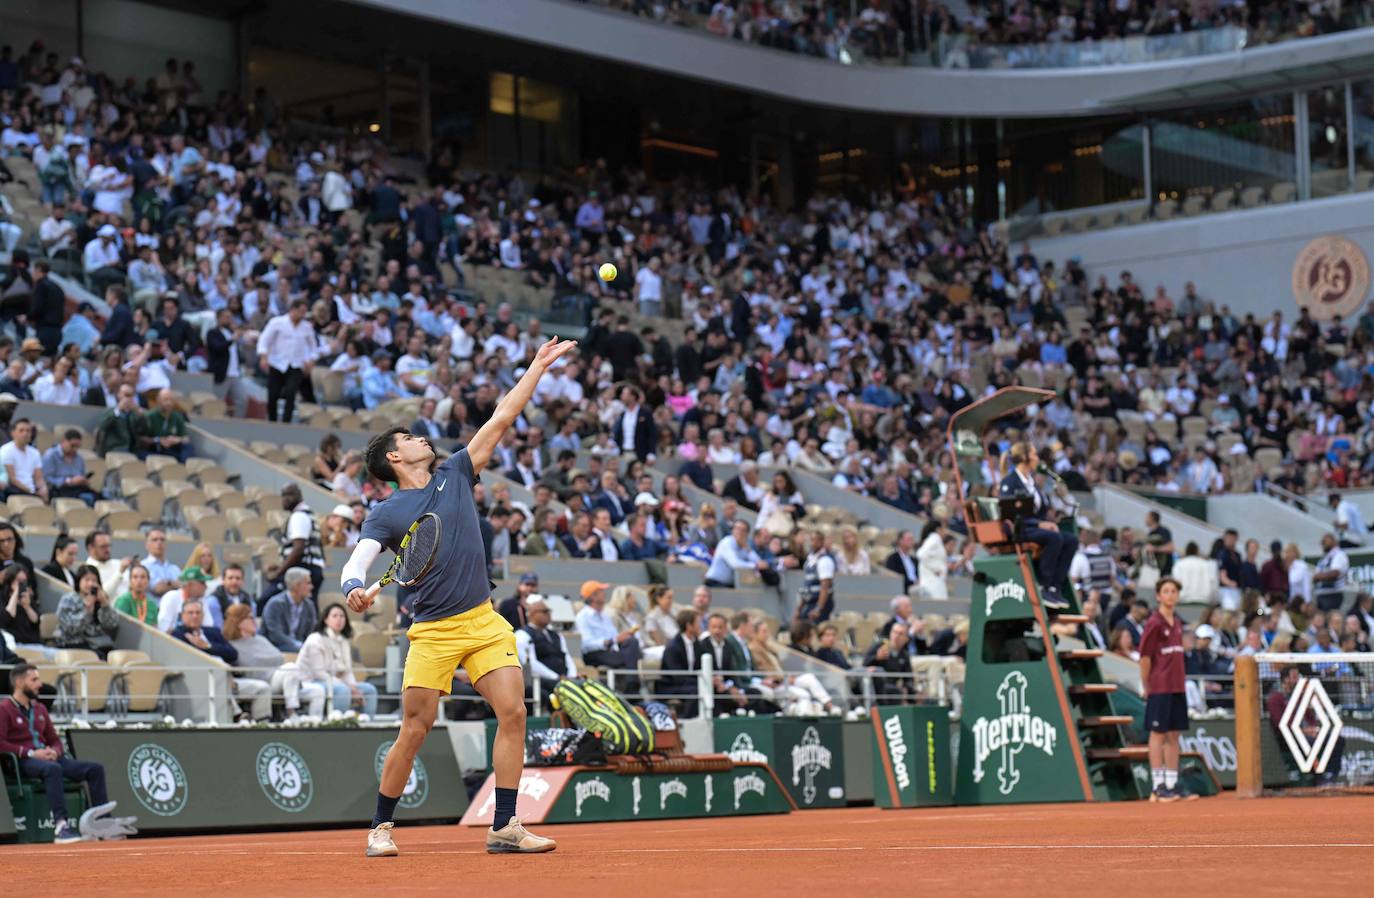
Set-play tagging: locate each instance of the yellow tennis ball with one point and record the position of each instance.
(607, 272)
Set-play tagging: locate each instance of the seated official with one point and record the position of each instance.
(26, 730)
(1056, 548)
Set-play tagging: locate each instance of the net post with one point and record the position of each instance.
(1249, 770)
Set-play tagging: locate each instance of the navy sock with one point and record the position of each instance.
(386, 807)
(505, 807)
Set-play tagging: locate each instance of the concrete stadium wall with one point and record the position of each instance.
(125, 38)
(1123, 508)
(896, 90)
(1266, 519)
(1242, 259)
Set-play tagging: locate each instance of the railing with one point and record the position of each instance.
(957, 52)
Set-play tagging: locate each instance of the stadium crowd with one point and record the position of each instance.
(850, 30)
(738, 343)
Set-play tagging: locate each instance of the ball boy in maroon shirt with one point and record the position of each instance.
(1166, 702)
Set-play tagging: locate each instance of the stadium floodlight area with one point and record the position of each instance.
(1305, 723)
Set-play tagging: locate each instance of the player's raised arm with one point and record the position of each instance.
(486, 440)
(354, 576)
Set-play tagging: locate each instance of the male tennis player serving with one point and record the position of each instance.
(454, 619)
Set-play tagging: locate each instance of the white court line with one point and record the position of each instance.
(766, 849)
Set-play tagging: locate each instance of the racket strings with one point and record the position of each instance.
(419, 549)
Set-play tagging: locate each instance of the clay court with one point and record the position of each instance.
(1268, 847)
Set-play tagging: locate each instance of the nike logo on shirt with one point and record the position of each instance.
(442, 484)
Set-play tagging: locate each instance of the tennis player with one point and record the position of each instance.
(455, 623)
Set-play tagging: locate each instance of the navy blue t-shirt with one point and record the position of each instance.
(457, 581)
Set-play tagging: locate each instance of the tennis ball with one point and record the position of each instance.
(607, 272)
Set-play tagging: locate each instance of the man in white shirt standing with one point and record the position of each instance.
(649, 289)
(1350, 525)
(286, 353)
(23, 464)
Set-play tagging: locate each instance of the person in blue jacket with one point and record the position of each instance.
(1056, 548)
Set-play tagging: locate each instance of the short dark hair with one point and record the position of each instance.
(20, 671)
(91, 537)
(71, 433)
(1163, 580)
(378, 465)
(687, 617)
(233, 566)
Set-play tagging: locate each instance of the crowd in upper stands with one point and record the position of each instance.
(845, 31)
(738, 344)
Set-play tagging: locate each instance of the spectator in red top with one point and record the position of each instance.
(1166, 703)
(27, 731)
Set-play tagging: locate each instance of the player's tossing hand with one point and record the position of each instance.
(358, 601)
(552, 351)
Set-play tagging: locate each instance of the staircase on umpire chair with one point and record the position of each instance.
(1039, 722)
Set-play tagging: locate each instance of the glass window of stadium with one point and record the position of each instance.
(1052, 165)
(533, 124)
(1247, 147)
(1328, 147)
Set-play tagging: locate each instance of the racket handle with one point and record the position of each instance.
(373, 590)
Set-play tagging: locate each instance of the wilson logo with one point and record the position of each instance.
(896, 748)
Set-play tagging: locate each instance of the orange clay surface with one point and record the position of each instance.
(1213, 847)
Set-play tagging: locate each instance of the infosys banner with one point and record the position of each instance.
(1215, 742)
(911, 757)
(261, 778)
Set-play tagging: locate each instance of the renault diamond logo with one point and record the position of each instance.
(1313, 754)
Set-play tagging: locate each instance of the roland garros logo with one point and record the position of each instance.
(1331, 277)
(417, 784)
(284, 777)
(157, 780)
(1009, 734)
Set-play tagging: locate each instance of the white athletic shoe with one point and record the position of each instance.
(513, 838)
(379, 841)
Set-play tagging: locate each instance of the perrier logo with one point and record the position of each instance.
(1008, 734)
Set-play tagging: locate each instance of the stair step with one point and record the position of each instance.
(1071, 618)
(1106, 720)
(1092, 689)
(1080, 654)
(1125, 753)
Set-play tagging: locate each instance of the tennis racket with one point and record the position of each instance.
(415, 556)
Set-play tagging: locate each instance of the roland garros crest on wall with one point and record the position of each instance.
(1331, 277)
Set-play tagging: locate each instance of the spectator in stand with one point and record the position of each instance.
(734, 553)
(86, 618)
(165, 575)
(542, 650)
(19, 616)
(12, 549)
(164, 430)
(1300, 580)
(1351, 530)
(102, 260)
(192, 631)
(903, 561)
(1330, 575)
(232, 590)
(286, 354)
(890, 657)
(1197, 576)
(261, 660)
(1228, 567)
(121, 427)
(933, 562)
(852, 558)
(347, 483)
(192, 589)
(660, 623)
(289, 617)
(828, 650)
(602, 644)
(26, 731)
(23, 465)
(682, 653)
(58, 386)
(65, 470)
(137, 602)
(326, 659)
(114, 572)
(515, 608)
(326, 463)
(62, 565)
(638, 546)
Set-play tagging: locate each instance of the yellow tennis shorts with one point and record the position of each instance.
(479, 639)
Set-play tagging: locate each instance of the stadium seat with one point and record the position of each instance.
(1283, 192)
(211, 528)
(1223, 200)
(122, 520)
(80, 520)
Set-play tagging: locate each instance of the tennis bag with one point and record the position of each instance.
(555, 746)
(623, 729)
